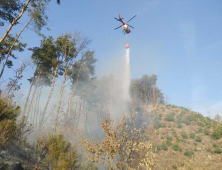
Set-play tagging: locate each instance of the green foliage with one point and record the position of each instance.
(174, 166)
(215, 145)
(158, 148)
(192, 135)
(7, 131)
(188, 153)
(199, 130)
(183, 113)
(182, 164)
(158, 124)
(170, 117)
(217, 150)
(174, 132)
(175, 147)
(184, 135)
(164, 146)
(179, 125)
(217, 132)
(187, 121)
(9, 10)
(169, 140)
(208, 122)
(60, 154)
(192, 117)
(160, 116)
(8, 114)
(201, 124)
(198, 139)
(144, 90)
(206, 132)
(6, 45)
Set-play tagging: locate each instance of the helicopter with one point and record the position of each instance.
(125, 25)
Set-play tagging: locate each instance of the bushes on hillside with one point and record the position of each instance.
(184, 135)
(217, 150)
(158, 124)
(217, 132)
(188, 153)
(176, 147)
(164, 146)
(192, 135)
(198, 139)
(170, 117)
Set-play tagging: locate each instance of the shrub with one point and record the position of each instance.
(170, 117)
(187, 122)
(8, 114)
(158, 124)
(160, 116)
(198, 139)
(206, 132)
(174, 166)
(179, 119)
(169, 140)
(184, 135)
(217, 150)
(208, 122)
(201, 124)
(182, 113)
(188, 153)
(60, 154)
(192, 117)
(158, 148)
(175, 147)
(7, 131)
(217, 133)
(215, 145)
(179, 125)
(182, 164)
(174, 132)
(164, 146)
(192, 135)
(117, 148)
(199, 130)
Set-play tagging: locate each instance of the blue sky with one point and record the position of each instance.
(179, 41)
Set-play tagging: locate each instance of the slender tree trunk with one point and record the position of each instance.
(60, 97)
(73, 90)
(50, 94)
(29, 92)
(34, 113)
(15, 20)
(38, 106)
(33, 94)
(3, 67)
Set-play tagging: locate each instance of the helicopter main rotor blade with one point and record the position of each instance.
(131, 18)
(118, 27)
(130, 26)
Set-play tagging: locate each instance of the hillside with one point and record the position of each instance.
(183, 139)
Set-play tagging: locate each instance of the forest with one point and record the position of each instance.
(69, 118)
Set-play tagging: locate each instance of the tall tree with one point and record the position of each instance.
(145, 91)
(9, 10)
(5, 46)
(38, 18)
(70, 47)
(83, 72)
